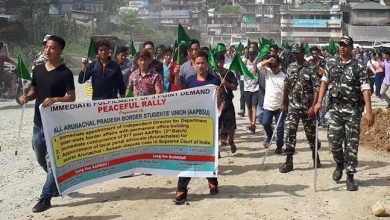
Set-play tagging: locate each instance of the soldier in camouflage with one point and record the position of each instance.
(351, 91)
(301, 87)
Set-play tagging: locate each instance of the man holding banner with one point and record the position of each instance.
(51, 82)
(202, 77)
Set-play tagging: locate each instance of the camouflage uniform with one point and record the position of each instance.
(301, 82)
(39, 59)
(349, 80)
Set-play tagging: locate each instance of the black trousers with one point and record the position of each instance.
(183, 182)
(242, 96)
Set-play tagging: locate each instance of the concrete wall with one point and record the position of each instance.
(370, 17)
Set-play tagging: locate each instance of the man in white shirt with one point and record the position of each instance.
(274, 79)
(251, 86)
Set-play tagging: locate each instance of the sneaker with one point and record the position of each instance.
(224, 143)
(42, 205)
(181, 197)
(278, 151)
(233, 147)
(265, 143)
(56, 193)
(213, 189)
(252, 128)
(241, 113)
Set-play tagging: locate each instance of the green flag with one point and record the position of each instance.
(130, 94)
(219, 48)
(238, 66)
(306, 48)
(179, 58)
(240, 48)
(284, 44)
(212, 62)
(183, 36)
(22, 70)
(132, 47)
(264, 51)
(116, 47)
(91, 49)
(174, 50)
(332, 49)
(248, 42)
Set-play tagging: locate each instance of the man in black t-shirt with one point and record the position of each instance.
(227, 119)
(52, 82)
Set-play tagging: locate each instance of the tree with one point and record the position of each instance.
(127, 19)
(113, 5)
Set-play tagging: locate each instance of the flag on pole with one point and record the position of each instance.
(264, 51)
(183, 36)
(22, 69)
(306, 48)
(179, 57)
(91, 49)
(240, 48)
(332, 49)
(130, 94)
(116, 48)
(212, 62)
(132, 47)
(284, 44)
(265, 47)
(238, 66)
(175, 51)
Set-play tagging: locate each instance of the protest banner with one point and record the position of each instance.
(172, 134)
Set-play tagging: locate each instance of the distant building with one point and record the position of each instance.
(369, 22)
(311, 22)
(262, 18)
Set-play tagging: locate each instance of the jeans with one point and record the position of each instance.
(267, 124)
(242, 96)
(39, 146)
(378, 82)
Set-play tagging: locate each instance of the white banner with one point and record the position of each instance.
(171, 134)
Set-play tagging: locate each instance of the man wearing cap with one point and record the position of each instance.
(300, 95)
(351, 91)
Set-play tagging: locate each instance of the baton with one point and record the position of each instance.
(316, 157)
(272, 137)
(21, 120)
(20, 129)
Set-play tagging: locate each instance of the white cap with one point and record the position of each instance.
(46, 38)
